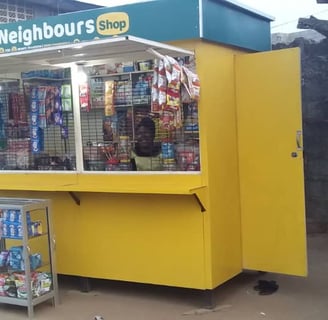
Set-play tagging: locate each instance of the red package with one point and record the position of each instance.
(192, 83)
(84, 92)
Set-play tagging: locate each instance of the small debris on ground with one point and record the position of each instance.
(207, 310)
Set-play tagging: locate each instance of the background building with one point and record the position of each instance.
(16, 10)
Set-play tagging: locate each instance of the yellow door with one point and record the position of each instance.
(271, 161)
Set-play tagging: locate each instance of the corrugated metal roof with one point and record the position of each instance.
(62, 5)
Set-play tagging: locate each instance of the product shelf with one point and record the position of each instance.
(28, 276)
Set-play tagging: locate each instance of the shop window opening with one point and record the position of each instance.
(133, 117)
(37, 125)
(118, 112)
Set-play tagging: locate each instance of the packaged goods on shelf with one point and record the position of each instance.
(14, 284)
(15, 260)
(46, 74)
(4, 258)
(122, 92)
(128, 66)
(13, 215)
(66, 96)
(7, 285)
(115, 97)
(14, 230)
(11, 225)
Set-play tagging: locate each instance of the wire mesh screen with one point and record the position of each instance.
(36, 125)
(13, 124)
(122, 128)
(51, 124)
(116, 109)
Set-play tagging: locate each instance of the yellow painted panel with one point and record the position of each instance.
(141, 238)
(103, 182)
(141, 183)
(271, 180)
(222, 222)
(219, 159)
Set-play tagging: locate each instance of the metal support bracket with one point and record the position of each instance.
(202, 208)
(200, 194)
(75, 197)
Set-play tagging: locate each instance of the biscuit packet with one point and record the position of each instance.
(192, 83)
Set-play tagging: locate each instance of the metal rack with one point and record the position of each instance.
(26, 228)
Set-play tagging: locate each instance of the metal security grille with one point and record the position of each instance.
(12, 11)
(36, 124)
(8, 131)
(112, 108)
(51, 124)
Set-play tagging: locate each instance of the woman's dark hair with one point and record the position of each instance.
(147, 123)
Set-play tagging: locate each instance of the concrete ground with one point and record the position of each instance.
(297, 298)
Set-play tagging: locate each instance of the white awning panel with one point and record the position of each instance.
(126, 48)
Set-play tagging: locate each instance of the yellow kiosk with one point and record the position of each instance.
(243, 208)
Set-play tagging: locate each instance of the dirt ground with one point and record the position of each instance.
(296, 299)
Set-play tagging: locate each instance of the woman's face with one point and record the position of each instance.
(144, 137)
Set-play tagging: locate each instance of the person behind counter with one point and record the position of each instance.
(146, 155)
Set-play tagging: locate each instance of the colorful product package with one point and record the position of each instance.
(41, 108)
(192, 83)
(109, 98)
(4, 258)
(21, 287)
(34, 118)
(58, 118)
(173, 98)
(34, 132)
(41, 92)
(35, 261)
(154, 90)
(3, 277)
(15, 258)
(67, 104)
(34, 105)
(44, 282)
(14, 215)
(7, 285)
(84, 93)
(36, 145)
(173, 71)
(167, 121)
(14, 230)
(66, 91)
(64, 132)
(34, 93)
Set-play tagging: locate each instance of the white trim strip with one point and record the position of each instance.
(76, 113)
(201, 19)
(61, 47)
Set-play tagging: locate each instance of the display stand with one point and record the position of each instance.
(27, 261)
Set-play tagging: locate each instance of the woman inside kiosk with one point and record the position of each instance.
(146, 155)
